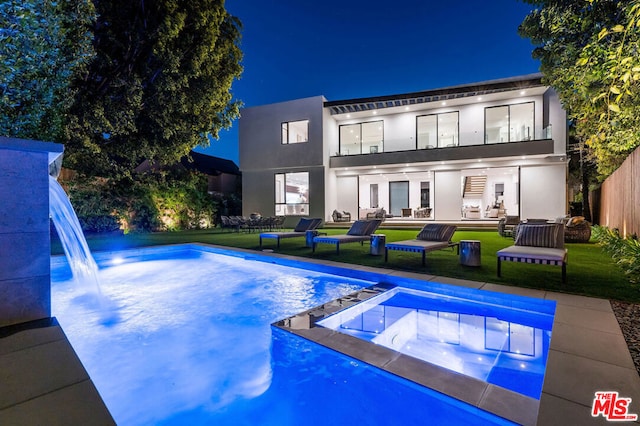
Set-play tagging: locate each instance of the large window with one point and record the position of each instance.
(437, 130)
(361, 138)
(509, 123)
(295, 131)
(292, 194)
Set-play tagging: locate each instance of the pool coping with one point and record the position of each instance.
(587, 353)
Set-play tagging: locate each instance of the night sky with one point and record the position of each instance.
(346, 49)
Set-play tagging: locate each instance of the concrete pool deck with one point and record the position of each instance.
(43, 382)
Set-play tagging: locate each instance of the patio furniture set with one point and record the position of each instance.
(534, 242)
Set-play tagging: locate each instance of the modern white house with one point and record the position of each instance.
(474, 152)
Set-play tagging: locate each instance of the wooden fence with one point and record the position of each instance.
(620, 197)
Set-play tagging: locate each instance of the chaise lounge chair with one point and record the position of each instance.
(300, 230)
(541, 244)
(360, 231)
(433, 236)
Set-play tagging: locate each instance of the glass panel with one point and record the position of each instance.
(299, 131)
(373, 195)
(521, 117)
(285, 133)
(297, 185)
(372, 137)
(497, 124)
(425, 199)
(448, 129)
(398, 197)
(280, 188)
(292, 189)
(522, 339)
(427, 131)
(350, 139)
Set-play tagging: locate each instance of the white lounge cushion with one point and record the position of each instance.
(538, 253)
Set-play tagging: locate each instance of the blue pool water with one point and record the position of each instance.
(183, 336)
(495, 343)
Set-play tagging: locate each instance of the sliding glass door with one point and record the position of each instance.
(398, 197)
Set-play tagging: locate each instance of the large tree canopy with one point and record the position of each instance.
(588, 50)
(158, 86)
(43, 44)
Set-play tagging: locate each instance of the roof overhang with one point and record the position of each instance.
(531, 83)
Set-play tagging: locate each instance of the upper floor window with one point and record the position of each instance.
(437, 130)
(509, 123)
(295, 131)
(361, 138)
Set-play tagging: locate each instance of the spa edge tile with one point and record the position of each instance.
(378, 356)
(458, 386)
(510, 405)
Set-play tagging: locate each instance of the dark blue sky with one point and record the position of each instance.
(345, 49)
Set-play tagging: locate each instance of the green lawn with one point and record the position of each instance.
(590, 271)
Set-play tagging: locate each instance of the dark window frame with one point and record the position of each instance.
(287, 123)
(360, 143)
(436, 114)
(533, 137)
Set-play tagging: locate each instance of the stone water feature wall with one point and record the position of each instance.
(25, 283)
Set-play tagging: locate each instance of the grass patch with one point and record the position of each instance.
(590, 271)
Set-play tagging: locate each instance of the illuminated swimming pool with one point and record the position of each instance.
(184, 337)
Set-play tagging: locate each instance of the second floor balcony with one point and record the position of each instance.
(405, 151)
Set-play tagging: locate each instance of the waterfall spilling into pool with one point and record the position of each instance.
(74, 243)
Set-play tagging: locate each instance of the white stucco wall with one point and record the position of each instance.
(542, 191)
(347, 195)
(448, 195)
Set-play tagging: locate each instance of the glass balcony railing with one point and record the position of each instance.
(409, 144)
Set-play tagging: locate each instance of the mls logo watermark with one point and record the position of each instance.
(612, 407)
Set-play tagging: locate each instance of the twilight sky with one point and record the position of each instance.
(346, 49)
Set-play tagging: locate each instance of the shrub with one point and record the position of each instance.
(624, 251)
(156, 201)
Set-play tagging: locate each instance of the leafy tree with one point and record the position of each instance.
(613, 58)
(159, 85)
(584, 47)
(44, 44)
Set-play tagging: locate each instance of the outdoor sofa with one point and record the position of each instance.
(300, 230)
(433, 236)
(360, 231)
(537, 243)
